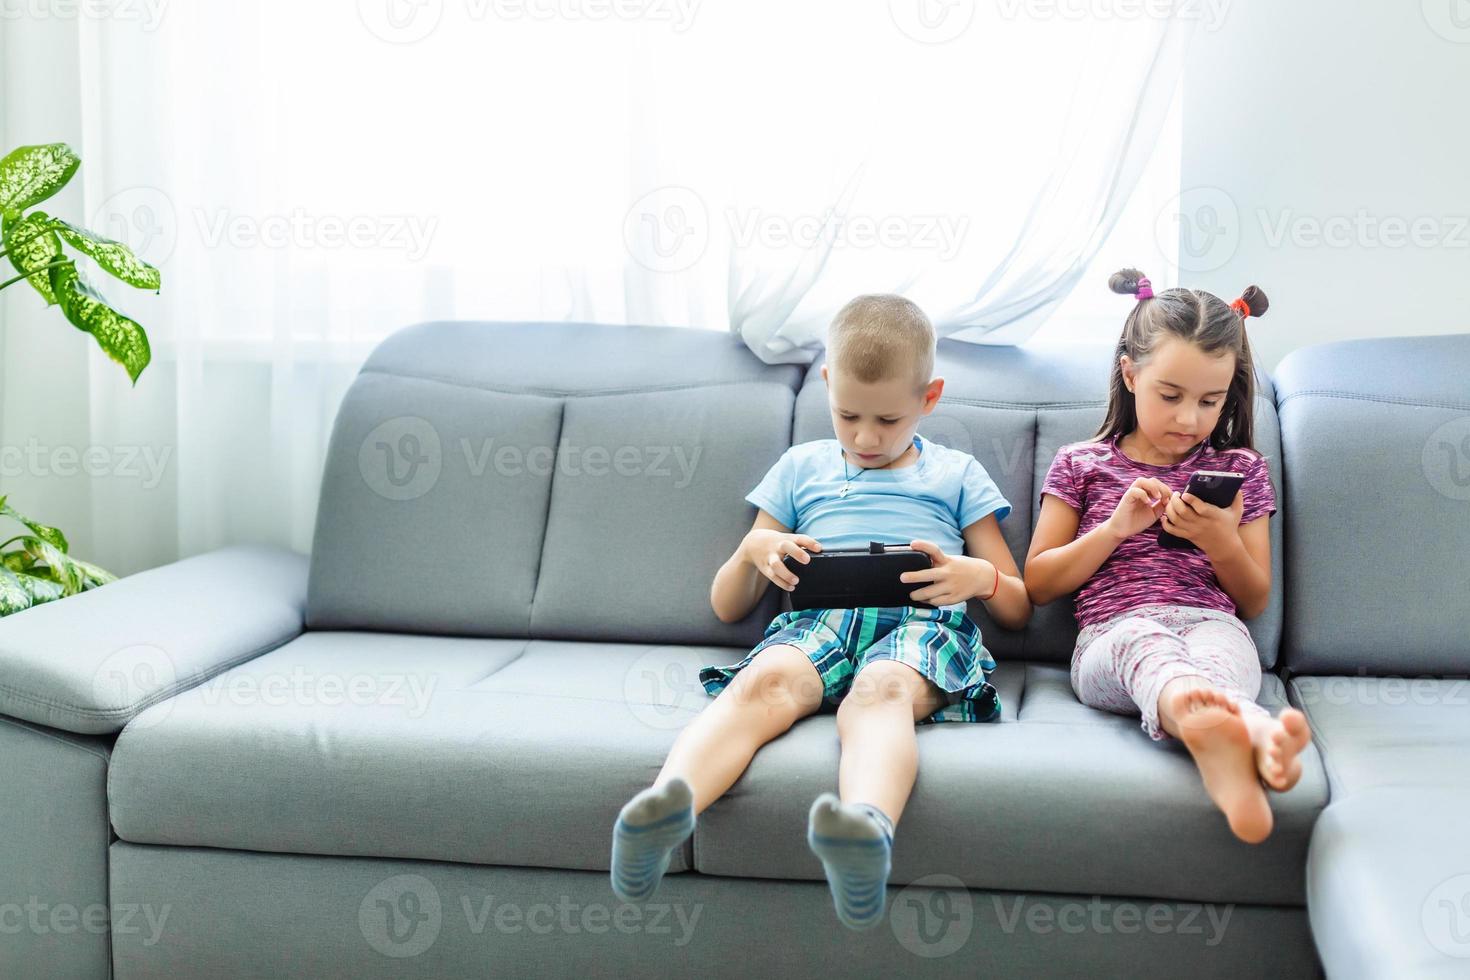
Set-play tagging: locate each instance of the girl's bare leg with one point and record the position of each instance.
(1210, 725)
(1278, 742)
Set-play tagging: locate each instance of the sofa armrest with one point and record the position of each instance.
(90, 662)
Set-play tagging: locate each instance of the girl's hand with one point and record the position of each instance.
(1142, 504)
(955, 578)
(764, 548)
(1211, 528)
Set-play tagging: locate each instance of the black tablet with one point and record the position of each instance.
(850, 578)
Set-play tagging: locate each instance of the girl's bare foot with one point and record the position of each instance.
(1279, 742)
(1210, 726)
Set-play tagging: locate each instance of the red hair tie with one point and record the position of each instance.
(1242, 307)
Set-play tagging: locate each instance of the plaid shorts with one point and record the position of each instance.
(941, 644)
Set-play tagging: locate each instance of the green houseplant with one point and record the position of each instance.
(38, 568)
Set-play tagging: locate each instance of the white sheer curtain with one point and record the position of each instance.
(310, 177)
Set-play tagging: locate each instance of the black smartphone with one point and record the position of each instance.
(851, 578)
(1213, 487)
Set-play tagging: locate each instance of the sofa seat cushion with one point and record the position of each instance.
(1388, 872)
(1056, 797)
(516, 752)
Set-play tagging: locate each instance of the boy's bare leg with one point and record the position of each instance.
(880, 752)
(853, 836)
(763, 700)
(778, 688)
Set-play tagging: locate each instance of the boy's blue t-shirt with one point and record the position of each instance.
(937, 497)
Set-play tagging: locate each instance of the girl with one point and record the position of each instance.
(1159, 632)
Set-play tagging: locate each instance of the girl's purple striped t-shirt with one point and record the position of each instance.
(1091, 477)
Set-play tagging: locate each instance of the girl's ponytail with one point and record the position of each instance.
(1252, 302)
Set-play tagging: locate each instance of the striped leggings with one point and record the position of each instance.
(1121, 664)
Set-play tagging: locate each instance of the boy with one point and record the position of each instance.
(887, 668)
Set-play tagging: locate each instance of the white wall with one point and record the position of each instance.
(1344, 118)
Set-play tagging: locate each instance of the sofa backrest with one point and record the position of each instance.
(1012, 408)
(579, 481)
(1376, 438)
(554, 480)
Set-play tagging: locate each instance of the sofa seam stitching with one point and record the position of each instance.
(561, 426)
(40, 730)
(1362, 397)
(569, 393)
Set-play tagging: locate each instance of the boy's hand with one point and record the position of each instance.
(1204, 524)
(764, 548)
(1142, 504)
(955, 578)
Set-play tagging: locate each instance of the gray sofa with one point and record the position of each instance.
(402, 756)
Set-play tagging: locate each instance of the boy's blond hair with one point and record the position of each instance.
(882, 336)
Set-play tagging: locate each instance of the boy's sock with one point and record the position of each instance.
(647, 830)
(854, 841)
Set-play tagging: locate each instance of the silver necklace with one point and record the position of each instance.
(847, 480)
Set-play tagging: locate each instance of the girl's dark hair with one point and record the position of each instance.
(1204, 320)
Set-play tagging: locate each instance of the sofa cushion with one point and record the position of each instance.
(1388, 885)
(1388, 872)
(457, 749)
(1376, 437)
(1055, 797)
(546, 480)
